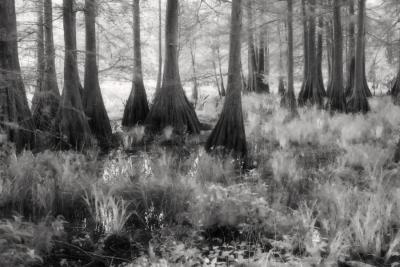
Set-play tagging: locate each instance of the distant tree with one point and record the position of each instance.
(75, 46)
(305, 45)
(312, 92)
(229, 132)
(171, 106)
(262, 75)
(46, 99)
(15, 116)
(329, 50)
(358, 101)
(289, 97)
(281, 82)
(195, 90)
(320, 50)
(252, 60)
(92, 99)
(71, 121)
(395, 90)
(352, 49)
(137, 107)
(352, 64)
(221, 76)
(336, 98)
(159, 73)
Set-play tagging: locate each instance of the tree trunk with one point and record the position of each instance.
(75, 47)
(137, 107)
(216, 78)
(281, 83)
(305, 46)
(15, 116)
(395, 90)
(352, 48)
(289, 97)
(46, 100)
(262, 78)
(171, 106)
(329, 54)
(92, 99)
(195, 92)
(159, 73)
(71, 121)
(358, 101)
(337, 100)
(223, 91)
(229, 132)
(40, 48)
(252, 65)
(320, 49)
(312, 92)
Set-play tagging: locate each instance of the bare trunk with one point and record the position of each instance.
(312, 92)
(358, 101)
(216, 78)
(262, 77)
(47, 98)
(195, 92)
(337, 101)
(252, 65)
(320, 49)
(223, 91)
(92, 99)
(15, 116)
(171, 106)
(229, 133)
(352, 48)
(137, 107)
(290, 99)
(305, 46)
(281, 83)
(72, 124)
(159, 73)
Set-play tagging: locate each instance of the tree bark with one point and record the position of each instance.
(337, 100)
(46, 100)
(312, 92)
(252, 61)
(171, 106)
(281, 83)
(223, 91)
(289, 97)
(320, 49)
(195, 92)
(137, 107)
(75, 47)
(92, 99)
(358, 101)
(15, 116)
(395, 90)
(305, 46)
(159, 73)
(72, 124)
(262, 77)
(229, 133)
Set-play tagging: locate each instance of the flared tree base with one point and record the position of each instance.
(171, 108)
(312, 94)
(44, 108)
(73, 129)
(395, 92)
(336, 100)
(228, 136)
(358, 103)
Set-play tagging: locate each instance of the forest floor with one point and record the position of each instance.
(324, 191)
